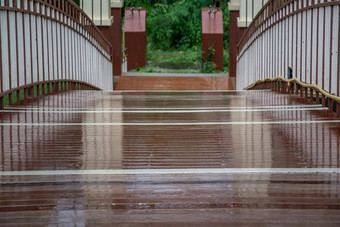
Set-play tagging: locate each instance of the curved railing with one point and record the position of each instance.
(292, 39)
(312, 93)
(48, 46)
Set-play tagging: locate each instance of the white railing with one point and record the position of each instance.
(46, 41)
(301, 37)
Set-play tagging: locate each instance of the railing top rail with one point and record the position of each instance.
(66, 7)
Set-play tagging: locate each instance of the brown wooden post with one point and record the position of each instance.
(32, 91)
(1, 102)
(330, 104)
(323, 100)
(135, 38)
(235, 34)
(10, 98)
(212, 36)
(28, 92)
(56, 87)
(311, 100)
(25, 94)
(116, 36)
(296, 89)
(337, 110)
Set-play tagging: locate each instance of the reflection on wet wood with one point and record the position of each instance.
(289, 140)
(153, 83)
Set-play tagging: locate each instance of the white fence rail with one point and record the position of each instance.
(300, 35)
(45, 41)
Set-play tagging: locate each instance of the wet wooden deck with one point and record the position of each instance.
(169, 158)
(169, 83)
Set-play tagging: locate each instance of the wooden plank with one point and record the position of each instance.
(174, 83)
(195, 195)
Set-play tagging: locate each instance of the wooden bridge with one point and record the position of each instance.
(168, 150)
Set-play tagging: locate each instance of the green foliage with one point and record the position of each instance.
(173, 55)
(226, 60)
(226, 18)
(175, 24)
(144, 70)
(147, 70)
(77, 2)
(208, 66)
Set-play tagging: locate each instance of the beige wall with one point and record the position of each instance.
(98, 10)
(248, 10)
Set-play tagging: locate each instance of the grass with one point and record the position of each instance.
(155, 70)
(189, 55)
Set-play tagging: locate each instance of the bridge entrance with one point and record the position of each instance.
(184, 150)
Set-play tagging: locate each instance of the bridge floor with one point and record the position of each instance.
(180, 81)
(176, 158)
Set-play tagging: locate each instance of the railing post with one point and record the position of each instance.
(10, 98)
(323, 100)
(291, 88)
(56, 87)
(330, 104)
(32, 91)
(25, 93)
(296, 89)
(1, 102)
(306, 93)
(311, 96)
(317, 99)
(337, 110)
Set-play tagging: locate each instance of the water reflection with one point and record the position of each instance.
(214, 146)
(110, 147)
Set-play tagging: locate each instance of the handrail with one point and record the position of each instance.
(295, 80)
(295, 86)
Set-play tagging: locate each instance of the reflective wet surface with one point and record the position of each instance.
(166, 83)
(91, 130)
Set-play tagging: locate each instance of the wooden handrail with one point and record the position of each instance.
(297, 81)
